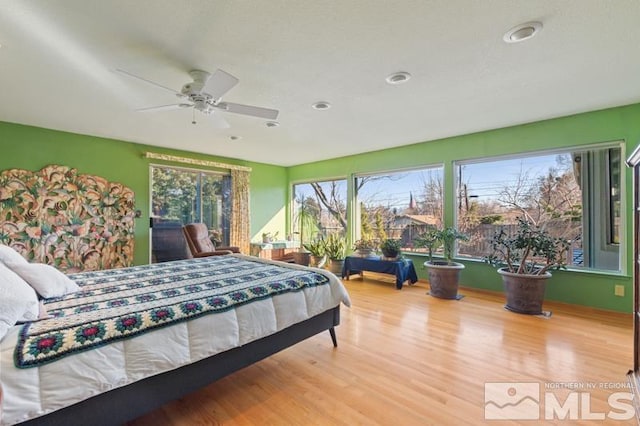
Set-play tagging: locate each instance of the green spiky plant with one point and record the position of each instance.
(317, 247)
(336, 246)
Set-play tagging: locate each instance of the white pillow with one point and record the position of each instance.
(18, 301)
(10, 257)
(45, 279)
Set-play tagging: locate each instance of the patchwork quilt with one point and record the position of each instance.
(120, 303)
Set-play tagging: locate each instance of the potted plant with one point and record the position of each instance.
(318, 249)
(365, 247)
(524, 260)
(307, 226)
(390, 248)
(335, 248)
(428, 240)
(444, 275)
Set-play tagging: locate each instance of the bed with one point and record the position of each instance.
(131, 339)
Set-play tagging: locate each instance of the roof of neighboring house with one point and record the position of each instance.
(419, 219)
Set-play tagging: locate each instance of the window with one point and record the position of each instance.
(399, 205)
(180, 196)
(562, 191)
(319, 208)
(613, 195)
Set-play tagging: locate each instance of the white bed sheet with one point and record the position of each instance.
(36, 391)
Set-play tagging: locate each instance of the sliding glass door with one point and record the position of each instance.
(180, 196)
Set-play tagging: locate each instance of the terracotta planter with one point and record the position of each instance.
(335, 266)
(524, 293)
(444, 279)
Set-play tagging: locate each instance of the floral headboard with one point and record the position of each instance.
(74, 222)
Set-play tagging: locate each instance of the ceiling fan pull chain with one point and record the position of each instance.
(193, 120)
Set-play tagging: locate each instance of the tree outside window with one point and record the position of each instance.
(180, 196)
(562, 192)
(400, 205)
(319, 209)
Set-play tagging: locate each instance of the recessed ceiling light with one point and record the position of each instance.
(398, 77)
(321, 105)
(272, 124)
(522, 32)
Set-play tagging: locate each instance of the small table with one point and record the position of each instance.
(403, 269)
(275, 250)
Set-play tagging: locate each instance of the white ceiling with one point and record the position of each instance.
(57, 60)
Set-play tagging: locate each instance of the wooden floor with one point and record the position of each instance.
(405, 358)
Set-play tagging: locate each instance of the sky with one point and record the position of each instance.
(485, 180)
(394, 191)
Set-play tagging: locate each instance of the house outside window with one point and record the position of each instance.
(399, 204)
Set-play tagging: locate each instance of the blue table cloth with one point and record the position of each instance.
(403, 269)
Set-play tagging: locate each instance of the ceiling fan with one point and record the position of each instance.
(204, 94)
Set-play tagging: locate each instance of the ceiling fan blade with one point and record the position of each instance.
(220, 83)
(148, 82)
(269, 114)
(164, 107)
(218, 120)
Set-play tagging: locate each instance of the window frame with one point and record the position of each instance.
(356, 204)
(612, 198)
(292, 202)
(603, 147)
(221, 173)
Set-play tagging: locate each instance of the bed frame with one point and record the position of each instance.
(129, 402)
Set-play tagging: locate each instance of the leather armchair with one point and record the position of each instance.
(200, 245)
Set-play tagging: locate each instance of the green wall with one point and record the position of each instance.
(584, 288)
(32, 148)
